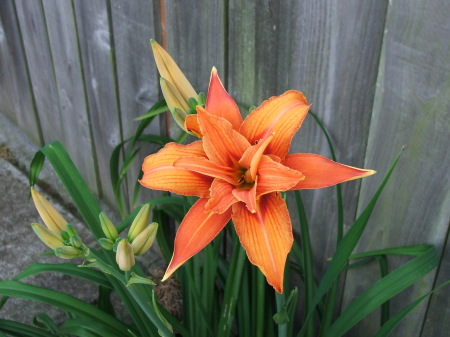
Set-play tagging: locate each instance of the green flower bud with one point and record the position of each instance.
(68, 252)
(139, 222)
(75, 241)
(145, 239)
(108, 228)
(50, 238)
(106, 243)
(125, 255)
(71, 230)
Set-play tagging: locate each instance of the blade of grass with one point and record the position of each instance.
(63, 301)
(390, 325)
(13, 328)
(346, 246)
(232, 287)
(384, 289)
(307, 261)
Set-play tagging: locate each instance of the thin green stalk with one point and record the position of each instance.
(307, 261)
(232, 288)
(385, 307)
(261, 306)
(244, 309)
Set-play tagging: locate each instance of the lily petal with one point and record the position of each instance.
(191, 125)
(274, 177)
(266, 236)
(247, 196)
(206, 167)
(322, 172)
(222, 144)
(221, 197)
(220, 103)
(160, 174)
(198, 228)
(282, 115)
(253, 154)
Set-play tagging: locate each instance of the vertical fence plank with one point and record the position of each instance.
(98, 69)
(42, 75)
(133, 26)
(412, 108)
(75, 123)
(16, 99)
(329, 50)
(196, 39)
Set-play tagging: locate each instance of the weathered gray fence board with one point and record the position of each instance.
(76, 135)
(133, 27)
(197, 43)
(99, 76)
(437, 322)
(411, 107)
(308, 46)
(37, 49)
(16, 100)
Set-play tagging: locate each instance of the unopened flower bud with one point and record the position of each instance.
(139, 222)
(108, 228)
(50, 238)
(145, 239)
(106, 243)
(75, 241)
(68, 252)
(125, 255)
(52, 219)
(71, 230)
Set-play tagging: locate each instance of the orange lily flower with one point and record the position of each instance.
(238, 169)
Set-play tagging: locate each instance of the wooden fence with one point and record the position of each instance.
(377, 73)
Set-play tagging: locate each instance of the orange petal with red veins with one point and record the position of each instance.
(191, 125)
(322, 172)
(266, 236)
(220, 103)
(198, 228)
(222, 144)
(177, 180)
(273, 177)
(206, 167)
(282, 115)
(159, 173)
(221, 196)
(247, 196)
(253, 154)
(171, 152)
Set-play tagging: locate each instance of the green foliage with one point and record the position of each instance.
(222, 293)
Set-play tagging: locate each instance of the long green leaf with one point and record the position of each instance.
(90, 275)
(389, 326)
(345, 247)
(74, 183)
(13, 328)
(384, 289)
(63, 301)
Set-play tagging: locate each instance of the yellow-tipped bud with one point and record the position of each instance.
(68, 252)
(125, 255)
(178, 105)
(145, 240)
(108, 227)
(139, 222)
(52, 219)
(50, 238)
(169, 70)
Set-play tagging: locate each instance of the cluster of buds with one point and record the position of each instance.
(139, 239)
(57, 234)
(180, 96)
